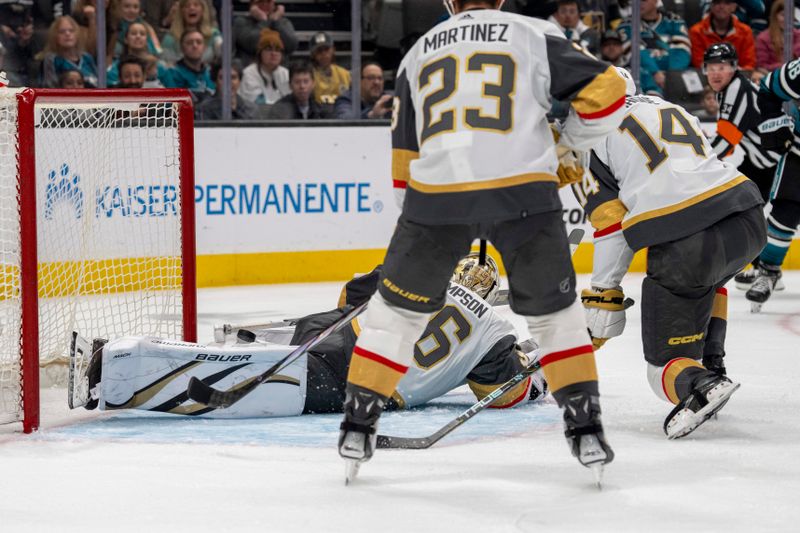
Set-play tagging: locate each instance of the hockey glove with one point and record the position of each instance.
(776, 133)
(572, 164)
(605, 313)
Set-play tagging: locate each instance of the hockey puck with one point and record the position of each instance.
(246, 336)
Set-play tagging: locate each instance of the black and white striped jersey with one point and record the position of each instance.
(737, 123)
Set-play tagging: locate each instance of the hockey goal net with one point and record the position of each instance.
(96, 228)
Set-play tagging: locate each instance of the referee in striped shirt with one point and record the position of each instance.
(739, 117)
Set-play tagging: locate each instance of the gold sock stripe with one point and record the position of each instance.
(671, 372)
(575, 369)
(373, 375)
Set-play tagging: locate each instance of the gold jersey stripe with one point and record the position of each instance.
(401, 164)
(373, 375)
(607, 214)
(499, 183)
(575, 369)
(671, 372)
(680, 206)
(604, 91)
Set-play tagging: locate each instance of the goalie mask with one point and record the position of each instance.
(454, 6)
(481, 279)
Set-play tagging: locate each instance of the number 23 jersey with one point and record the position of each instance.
(470, 136)
(656, 177)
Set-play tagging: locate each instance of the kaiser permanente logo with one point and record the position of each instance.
(64, 191)
(286, 198)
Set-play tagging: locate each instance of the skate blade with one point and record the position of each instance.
(597, 472)
(351, 467)
(695, 420)
(755, 307)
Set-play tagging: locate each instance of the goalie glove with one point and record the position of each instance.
(776, 133)
(605, 313)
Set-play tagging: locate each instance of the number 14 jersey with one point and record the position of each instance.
(657, 178)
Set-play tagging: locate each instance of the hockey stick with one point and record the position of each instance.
(421, 443)
(208, 395)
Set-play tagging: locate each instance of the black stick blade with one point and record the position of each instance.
(199, 391)
(403, 443)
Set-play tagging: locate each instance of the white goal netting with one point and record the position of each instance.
(108, 227)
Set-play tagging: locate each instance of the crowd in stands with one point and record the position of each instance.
(178, 43)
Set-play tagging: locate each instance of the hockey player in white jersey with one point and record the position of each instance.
(473, 157)
(655, 183)
(467, 342)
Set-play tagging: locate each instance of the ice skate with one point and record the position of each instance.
(584, 432)
(358, 432)
(745, 279)
(85, 364)
(763, 287)
(710, 395)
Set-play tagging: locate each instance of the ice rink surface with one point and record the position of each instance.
(504, 471)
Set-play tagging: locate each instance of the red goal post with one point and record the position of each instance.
(97, 229)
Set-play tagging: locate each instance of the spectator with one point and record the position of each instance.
(330, 80)
(192, 15)
(769, 43)
(664, 44)
(568, 19)
(300, 104)
(71, 79)
(131, 73)
(85, 14)
(160, 14)
(375, 102)
(135, 44)
(750, 12)
(710, 105)
(263, 14)
(129, 12)
(64, 51)
(155, 72)
(16, 39)
(611, 49)
(191, 72)
(721, 25)
(265, 81)
(241, 109)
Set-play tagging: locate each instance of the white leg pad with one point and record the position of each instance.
(655, 378)
(390, 331)
(561, 330)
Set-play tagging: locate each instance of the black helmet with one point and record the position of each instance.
(721, 53)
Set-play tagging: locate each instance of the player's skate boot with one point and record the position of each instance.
(715, 363)
(710, 394)
(745, 279)
(763, 287)
(584, 432)
(359, 430)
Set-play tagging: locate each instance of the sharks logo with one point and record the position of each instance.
(63, 187)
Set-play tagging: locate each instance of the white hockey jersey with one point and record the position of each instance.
(657, 178)
(470, 136)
